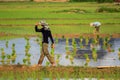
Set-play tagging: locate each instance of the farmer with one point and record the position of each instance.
(46, 33)
(96, 25)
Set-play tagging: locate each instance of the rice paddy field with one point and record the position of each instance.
(63, 18)
(78, 55)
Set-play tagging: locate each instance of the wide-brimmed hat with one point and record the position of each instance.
(43, 23)
(97, 24)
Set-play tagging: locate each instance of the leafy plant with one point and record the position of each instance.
(24, 61)
(119, 49)
(71, 58)
(52, 52)
(87, 59)
(7, 44)
(8, 58)
(57, 59)
(27, 59)
(102, 1)
(67, 41)
(13, 55)
(56, 40)
(3, 55)
(94, 54)
(47, 63)
(107, 9)
(87, 40)
(119, 53)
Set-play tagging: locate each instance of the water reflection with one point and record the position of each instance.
(104, 58)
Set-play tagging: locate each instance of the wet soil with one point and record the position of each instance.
(115, 35)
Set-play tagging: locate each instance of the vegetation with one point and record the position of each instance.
(18, 18)
(99, 1)
(61, 72)
(106, 9)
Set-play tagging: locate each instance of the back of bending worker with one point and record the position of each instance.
(96, 25)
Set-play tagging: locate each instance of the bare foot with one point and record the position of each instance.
(39, 65)
(53, 64)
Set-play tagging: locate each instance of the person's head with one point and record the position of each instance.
(42, 23)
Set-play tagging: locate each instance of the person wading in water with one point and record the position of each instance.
(46, 33)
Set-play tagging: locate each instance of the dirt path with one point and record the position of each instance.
(115, 35)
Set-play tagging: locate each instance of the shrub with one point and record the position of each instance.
(99, 1)
(82, 0)
(72, 11)
(106, 9)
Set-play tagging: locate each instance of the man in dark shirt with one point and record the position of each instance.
(46, 33)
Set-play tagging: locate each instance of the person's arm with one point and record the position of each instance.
(36, 28)
(51, 38)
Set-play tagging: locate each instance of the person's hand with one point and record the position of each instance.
(52, 45)
(37, 24)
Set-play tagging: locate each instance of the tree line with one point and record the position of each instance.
(99, 1)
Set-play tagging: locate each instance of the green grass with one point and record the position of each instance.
(68, 73)
(20, 17)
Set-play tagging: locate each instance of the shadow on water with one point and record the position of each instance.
(87, 50)
(80, 53)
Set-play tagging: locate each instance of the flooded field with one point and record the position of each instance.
(104, 58)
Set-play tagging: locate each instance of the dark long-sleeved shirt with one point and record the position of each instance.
(46, 33)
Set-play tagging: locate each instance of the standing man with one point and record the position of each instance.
(46, 33)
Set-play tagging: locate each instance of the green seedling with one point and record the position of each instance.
(67, 41)
(81, 39)
(71, 58)
(7, 44)
(119, 53)
(3, 55)
(66, 48)
(13, 55)
(87, 58)
(56, 40)
(87, 40)
(47, 63)
(24, 61)
(8, 58)
(94, 54)
(52, 52)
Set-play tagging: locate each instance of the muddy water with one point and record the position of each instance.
(104, 58)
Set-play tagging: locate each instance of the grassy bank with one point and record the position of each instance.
(105, 73)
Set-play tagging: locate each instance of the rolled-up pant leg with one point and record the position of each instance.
(44, 53)
(41, 56)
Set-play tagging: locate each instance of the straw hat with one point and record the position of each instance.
(43, 23)
(97, 24)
